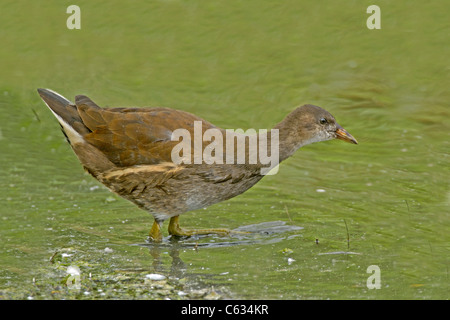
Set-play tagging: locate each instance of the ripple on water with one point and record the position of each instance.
(260, 233)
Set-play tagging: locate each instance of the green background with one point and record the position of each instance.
(237, 64)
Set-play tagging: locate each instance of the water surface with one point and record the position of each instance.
(238, 64)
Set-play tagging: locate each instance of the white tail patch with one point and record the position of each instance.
(74, 137)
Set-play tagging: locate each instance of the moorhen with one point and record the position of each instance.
(130, 151)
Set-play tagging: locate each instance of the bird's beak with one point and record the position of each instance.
(342, 134)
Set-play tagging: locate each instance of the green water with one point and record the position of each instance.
(238, 64)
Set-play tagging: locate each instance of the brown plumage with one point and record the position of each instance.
(129, 150)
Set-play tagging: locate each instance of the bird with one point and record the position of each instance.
(130, 150)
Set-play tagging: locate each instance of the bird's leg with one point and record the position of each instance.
(155, 232)
(175, 230)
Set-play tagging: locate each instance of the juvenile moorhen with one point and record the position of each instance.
(129, 150)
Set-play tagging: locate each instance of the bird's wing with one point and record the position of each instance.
(134, 136)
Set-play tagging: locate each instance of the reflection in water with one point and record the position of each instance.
(178, 267)
(261, 233)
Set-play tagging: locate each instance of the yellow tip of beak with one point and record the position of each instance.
(342, 134)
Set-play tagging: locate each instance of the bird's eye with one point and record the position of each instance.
(323, 120)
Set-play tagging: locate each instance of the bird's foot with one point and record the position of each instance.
(176, 230)
(155, 232)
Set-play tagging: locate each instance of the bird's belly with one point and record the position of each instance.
(179, 195)
(207, 194)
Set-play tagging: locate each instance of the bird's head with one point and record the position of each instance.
(316, 124)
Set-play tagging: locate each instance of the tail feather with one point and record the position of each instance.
(54, 100)
(66, 113)
(64, 108)
(74, 129)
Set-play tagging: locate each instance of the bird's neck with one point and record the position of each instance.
(290, 138)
